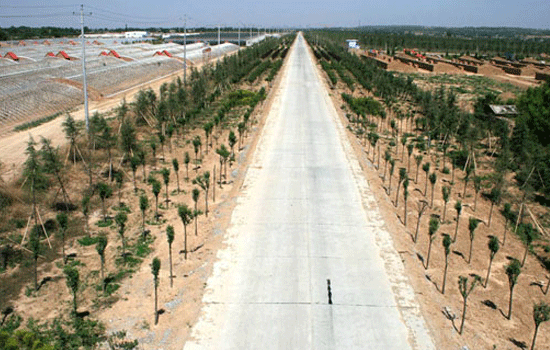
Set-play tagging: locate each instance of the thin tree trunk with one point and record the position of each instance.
(214, 184)
(433, 189)
(525, 255)
(470, 255)
(156, 207)
(445, 274)
(426, 186)
(74, 303)
(417, 226)
(490, 214)
(103, 271)
(475, 201)
(206, 202)
(444, 210)
(36, 273)
(488, 271)
(185, 241)
(463, 317)
(535, 336)
(405, 213)
(196, 227)
(456, 228)
(397, 195)
(156, 303)
(505, 229)
(417, 169)
(429, 251)
(170, 257)
(63, 245)
(510, 303)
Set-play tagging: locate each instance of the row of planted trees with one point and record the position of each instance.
(134, 143)
(431, 129)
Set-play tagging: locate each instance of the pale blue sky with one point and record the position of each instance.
(302, 13)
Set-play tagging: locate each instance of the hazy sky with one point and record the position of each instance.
(169, 13)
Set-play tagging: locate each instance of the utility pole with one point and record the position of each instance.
(218, 35)
(239, 41)
(185, 51)
(85, 85)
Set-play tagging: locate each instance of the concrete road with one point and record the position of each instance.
(303, 220)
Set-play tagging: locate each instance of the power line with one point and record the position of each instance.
(37, 6)
(37, 16)
(126, 16)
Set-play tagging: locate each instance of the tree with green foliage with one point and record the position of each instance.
(195, 195)
(207, 127)
(472, 225)
(410, 149)
(162, 141)
(528, 235)
(85, 203)
(447, 250)
(121, 218)
(241, 129)
(143, 206)
(153, 146)
(458, 208)
(176, 166)
(469, 170)
(432, 229)
(507, 213)
(100, 247)
(105, 191)
(73, 280)
(418, 160)
(402, 177)
(513, 270)
(426, 169)
(186, 161)
(134, 163)
(465, 291)
(422, 205)
(232, 140)
(494, 247)
(387, 158)
(140, 154)
(392, 168)
(170, 238)
(165, 172)
(156, 191)
(224, 154)
(119, 180)
(52, 164)
(63, 221)
(72, 132)
(433, 180)
(446, 193)
(196, 146)
(155, 269)
(186, 216)
(204, 182)
(127, 137)
(541, 313)
(35, 247)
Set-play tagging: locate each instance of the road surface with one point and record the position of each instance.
(302, 220)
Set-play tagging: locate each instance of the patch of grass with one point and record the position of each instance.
(104, 223)
(37, 122)
(88, 241)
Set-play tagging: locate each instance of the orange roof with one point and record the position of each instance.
(64, 55)
(114, 53)
(12, 56)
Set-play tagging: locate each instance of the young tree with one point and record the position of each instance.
(86, 211)
(100, 247)
(119, 178)
(405, 197)
(458, 208)
(472, 225)
(155, 269)
(156, 191)
(241, 128)
(166, 178)
(121, 218)
(52, 164)
(140, 155)
(477, 187)
(204, 182)
(71, 133)
(465, 292)
(186, 215)
(170, 239)
(392, 168)
(387, 158)
(447, 250)
(223, 152)
(493, 250)
(72, 279)
(153, 146)
(105, 191)
(62, 221)
(196, 146)
(35, 247)
(207, 127)
(507, 213)
(232, 140)
(176, 166)
(426, 168)
(529, 234)
(446, 192)
(410, 149)
(186, 161)
(422, 205)
(162, 140)
(513, 270)
(541, 313)
(433, 180)
(495, 197)
(143, 206)
(432, 229)
(467, 179)
(134, 164)
(402, 177)
(418, 160)
(195, 194)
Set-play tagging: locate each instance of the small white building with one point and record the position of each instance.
(136, 35)
(352, 44)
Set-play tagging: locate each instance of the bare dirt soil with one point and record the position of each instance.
(486, 325)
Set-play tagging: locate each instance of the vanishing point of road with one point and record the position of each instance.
(308, 263)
